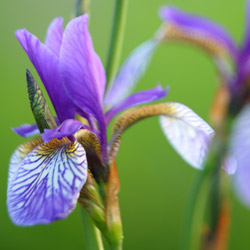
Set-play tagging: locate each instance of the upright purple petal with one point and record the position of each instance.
(26, 130)
(67, 128)
(138, 98)
(197, 25)
(130, 72)
(240, 150)
(47, 184)
(82, 71)
(54, 35)
(47, 66)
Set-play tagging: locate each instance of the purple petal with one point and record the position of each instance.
(130, 72)
(26, 130)
(67, 128)
(81, 68)
(54, 35)
(230, 165)
(240, 150)
(136, 99)
(187, 133)
(202, 26)
(47, 184)
(82, 71)
(47, 66)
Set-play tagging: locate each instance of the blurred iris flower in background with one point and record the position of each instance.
(231, 103)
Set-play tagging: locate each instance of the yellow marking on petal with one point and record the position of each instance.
(93, 149)
(49, 147)
(20, 153)
(175, 33)
(89, 141)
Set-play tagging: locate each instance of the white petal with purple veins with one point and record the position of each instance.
(47, 184)
(188, 133)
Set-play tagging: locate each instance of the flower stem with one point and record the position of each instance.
(116, 39)
(200, 194)
(92, 234)
(195, 212)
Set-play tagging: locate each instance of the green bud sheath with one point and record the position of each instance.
(38, 104)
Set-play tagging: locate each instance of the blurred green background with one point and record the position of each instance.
(155, 181)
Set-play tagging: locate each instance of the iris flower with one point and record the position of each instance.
(232, 62)
(48, 172)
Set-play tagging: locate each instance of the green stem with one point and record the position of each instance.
(195, 212)
(116, 40)
(200, 193)
(93, 237)
(116, 247)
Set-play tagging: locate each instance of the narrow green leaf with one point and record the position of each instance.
(38, 104)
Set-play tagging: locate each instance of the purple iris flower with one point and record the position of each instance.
(47, 173)
(182, 26)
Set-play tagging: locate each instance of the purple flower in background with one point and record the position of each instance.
(47, 173)
(182, 26)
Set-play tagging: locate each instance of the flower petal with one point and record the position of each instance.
(188, 133)
(246, 45)
(82, 73)
(199, 28)
(26, 130)
(240, 150)
(54, 35)
(130, 72)
(47, 184)
(81, 69)
(20, 153)
(47, 66)
(67, 128)
(136, 99)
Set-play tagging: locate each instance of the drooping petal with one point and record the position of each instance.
(138, 98)
(47, 184)
(199, 30)
(67, 128)
(240, 150)
(26, 130)
(47, 66)
(54, 35)
(188, 133)
(130, 72)
(20, 153)
(82, 71)
(185, 130)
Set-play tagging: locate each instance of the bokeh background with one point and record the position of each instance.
(155, 181)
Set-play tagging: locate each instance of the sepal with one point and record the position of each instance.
(91, 201)
(185, 130)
